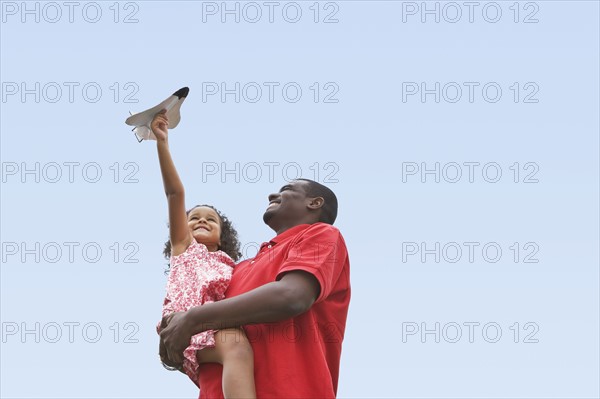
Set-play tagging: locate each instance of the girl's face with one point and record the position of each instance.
(205, 225)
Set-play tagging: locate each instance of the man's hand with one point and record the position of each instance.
(163, 356)
(160, 125)
(174, 338)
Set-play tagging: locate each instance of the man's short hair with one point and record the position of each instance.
(330, 207)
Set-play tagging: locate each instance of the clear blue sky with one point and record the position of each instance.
(464, 153)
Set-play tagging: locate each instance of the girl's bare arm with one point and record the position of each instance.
(178, 226)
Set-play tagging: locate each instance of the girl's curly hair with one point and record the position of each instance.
(230, 243)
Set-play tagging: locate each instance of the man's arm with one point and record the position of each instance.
(292, 295)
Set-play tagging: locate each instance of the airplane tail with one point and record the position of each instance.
(144, 133)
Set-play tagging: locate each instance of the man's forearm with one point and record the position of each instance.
(279, 300)
(269, 303)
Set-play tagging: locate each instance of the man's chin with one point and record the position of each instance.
(268, 216)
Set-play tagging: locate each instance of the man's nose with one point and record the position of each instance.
(273, 197)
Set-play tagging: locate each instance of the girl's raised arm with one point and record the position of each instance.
(181, 237)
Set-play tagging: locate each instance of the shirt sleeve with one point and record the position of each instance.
(320, 251)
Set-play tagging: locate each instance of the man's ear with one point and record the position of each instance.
(316, 203)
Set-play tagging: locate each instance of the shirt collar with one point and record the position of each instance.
(285, 235)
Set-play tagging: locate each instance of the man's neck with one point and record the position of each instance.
(280, 229)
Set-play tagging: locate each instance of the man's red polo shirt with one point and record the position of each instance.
(298, 357)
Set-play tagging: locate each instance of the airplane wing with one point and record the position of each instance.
(144, 118)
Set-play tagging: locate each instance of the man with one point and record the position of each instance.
(291, 299)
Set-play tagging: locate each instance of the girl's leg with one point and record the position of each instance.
(232, 350)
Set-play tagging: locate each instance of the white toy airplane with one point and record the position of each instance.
(142, 120)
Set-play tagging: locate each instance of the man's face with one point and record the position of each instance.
(287, 206)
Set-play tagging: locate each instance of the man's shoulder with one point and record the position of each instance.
(322, 234)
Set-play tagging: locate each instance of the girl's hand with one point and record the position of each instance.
(160, 125)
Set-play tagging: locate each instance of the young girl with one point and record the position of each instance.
(200, 271)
